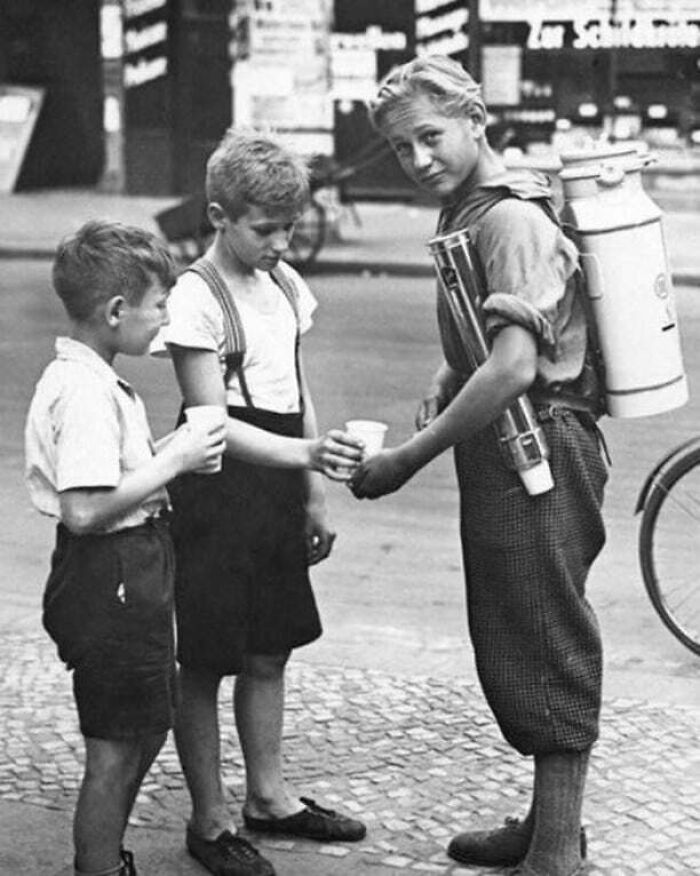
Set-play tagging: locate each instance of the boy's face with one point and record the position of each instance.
(259, 237)
(138, 324)
(439, 152)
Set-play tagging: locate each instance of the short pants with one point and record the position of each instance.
(242, 583)
(108, 605)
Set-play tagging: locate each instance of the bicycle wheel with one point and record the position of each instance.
(669, 546)
(309, 235)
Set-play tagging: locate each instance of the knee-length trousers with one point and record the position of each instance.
(526, 558)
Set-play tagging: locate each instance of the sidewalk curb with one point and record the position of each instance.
(324, 267)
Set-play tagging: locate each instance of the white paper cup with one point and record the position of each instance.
(372, 432)
(207, 416)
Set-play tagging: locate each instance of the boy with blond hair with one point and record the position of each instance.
(245, 537)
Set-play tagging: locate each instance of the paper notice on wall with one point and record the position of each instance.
(281, 76)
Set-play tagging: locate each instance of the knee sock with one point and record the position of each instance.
(560, 780)
(111, 871)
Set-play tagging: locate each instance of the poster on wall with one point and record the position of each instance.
(19, 110)
(281, 71)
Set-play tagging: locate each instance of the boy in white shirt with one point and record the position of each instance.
(91, 464)
(245, 537)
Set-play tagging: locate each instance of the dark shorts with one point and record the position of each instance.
(242, 584)
(108, 606)
(535, 635)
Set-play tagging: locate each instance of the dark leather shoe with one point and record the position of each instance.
(128, 868)
(313, 822)
(228, 855)
(505, 846)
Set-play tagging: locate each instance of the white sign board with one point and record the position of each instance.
(19, 110)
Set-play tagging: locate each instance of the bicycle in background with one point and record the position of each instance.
(669, 541)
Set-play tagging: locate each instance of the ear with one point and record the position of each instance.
(114, 309)
(477, 117)
(216, 214)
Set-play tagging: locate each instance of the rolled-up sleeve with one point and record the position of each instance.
(528, 261)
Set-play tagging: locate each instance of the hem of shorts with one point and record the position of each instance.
(212, 667)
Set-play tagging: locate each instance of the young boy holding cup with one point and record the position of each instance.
(246, 536)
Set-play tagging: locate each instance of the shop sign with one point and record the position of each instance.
(440, 28)
(568, 10)
(134, 8)
(642, 32)
(144, 64)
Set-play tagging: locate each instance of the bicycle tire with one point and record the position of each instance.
(669, 547)
(309, 235)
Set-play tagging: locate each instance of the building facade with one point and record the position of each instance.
(137, 92)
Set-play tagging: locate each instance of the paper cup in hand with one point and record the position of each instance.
(207, 416)
(372, 432)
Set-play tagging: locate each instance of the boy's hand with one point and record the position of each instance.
(196, 448)
(381, 474)
(337, 454)
(319, 539)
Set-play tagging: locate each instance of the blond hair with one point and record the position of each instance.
(248, 168)
(440, 78)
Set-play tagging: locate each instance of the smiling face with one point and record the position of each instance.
(439, 152)
(256, 239)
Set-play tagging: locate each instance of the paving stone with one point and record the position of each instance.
(419, 759)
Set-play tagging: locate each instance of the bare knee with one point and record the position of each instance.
(265, 667)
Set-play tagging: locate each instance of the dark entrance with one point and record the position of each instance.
(56, 46)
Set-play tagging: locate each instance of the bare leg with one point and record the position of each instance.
(259, 710)
(199, 748)
(113, 772)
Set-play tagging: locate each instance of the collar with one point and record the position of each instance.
(70, 350)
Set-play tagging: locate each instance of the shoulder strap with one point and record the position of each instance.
(233, 327)
(234, 334)
(288, 287)
(291, 293)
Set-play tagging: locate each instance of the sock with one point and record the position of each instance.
(110, 871)
(560, 780)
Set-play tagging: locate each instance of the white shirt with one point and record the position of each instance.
(197, 321)
(86, 428)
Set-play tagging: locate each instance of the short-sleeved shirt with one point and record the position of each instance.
(197, 322)
(529, 265)
(86, 428)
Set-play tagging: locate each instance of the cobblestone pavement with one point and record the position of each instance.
(417, 758)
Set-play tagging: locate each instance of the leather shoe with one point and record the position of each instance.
(505, 846)
(313, 822)
(228, 855)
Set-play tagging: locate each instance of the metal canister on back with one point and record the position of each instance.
(619, 233)
(520, 436)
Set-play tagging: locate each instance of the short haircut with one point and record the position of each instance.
(249, 168)
(105, 259)
(440, 78)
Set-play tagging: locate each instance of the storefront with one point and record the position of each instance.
(624, 69)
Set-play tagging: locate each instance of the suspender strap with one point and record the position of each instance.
(234, 334)
(285, 283)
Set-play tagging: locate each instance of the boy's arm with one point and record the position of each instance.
(199, 376)
(90, 509)
(443, 388)
(507, 373)
(319, 538)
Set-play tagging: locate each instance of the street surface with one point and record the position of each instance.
(392, 593)
(384, 717)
